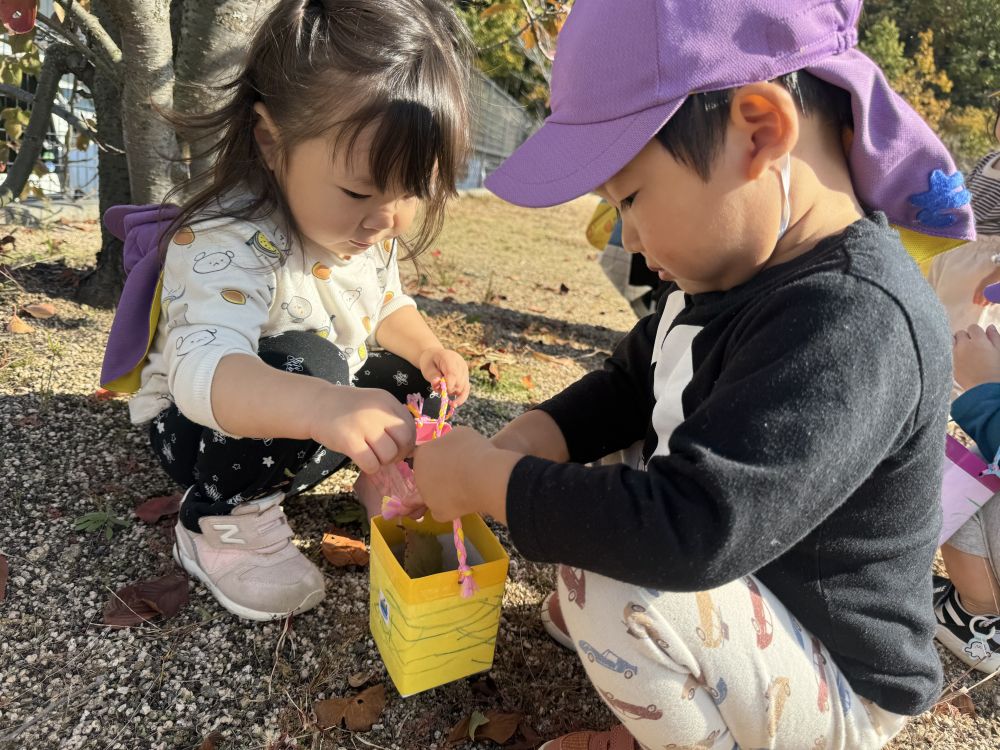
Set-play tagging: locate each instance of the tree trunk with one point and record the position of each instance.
(213, 40)
(102, 286)
(147, 55)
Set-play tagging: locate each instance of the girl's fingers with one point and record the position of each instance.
(365, 458)
(993, 335)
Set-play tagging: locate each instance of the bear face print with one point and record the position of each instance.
(212, 262)
(187, 344)
(298, 308)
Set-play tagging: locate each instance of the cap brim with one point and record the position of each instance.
(561, 162)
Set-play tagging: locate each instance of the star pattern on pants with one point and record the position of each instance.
(268, 461)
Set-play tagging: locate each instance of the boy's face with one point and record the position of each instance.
(706, 236)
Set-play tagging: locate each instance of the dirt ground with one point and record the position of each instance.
(516, 289)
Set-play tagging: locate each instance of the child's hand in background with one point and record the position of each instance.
(367, 425)
(438, 362)
(976, 355)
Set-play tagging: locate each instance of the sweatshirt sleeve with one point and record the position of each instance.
(977, 411)
(220, 288)
(816, 391)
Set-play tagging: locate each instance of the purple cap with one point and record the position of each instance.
(624, 67)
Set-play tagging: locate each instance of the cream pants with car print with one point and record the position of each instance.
(726, 668)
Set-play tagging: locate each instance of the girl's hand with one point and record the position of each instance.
(367, 425)
(461, 473)
(993, 277)
(438, 362)
(976, 354)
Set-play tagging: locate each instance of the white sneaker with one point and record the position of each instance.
(248, 562)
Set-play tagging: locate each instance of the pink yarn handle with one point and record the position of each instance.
(401, 494)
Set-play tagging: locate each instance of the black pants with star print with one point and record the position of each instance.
(223, 471)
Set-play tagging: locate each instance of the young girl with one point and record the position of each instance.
(281, 274)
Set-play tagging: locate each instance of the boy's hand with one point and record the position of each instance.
(461, 473)
(976, 355)
(438, 362)
(366, 424)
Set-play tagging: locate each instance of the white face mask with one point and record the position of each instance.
(786, 206)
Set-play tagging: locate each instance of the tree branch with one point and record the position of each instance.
(90, 25)
(29, 98)
(38, 124)
(97, 56)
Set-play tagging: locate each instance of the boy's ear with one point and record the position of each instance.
(765, 115)
(265, 132)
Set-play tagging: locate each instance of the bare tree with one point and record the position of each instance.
(137, 65)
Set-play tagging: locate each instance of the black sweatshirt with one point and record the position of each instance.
(793, 428)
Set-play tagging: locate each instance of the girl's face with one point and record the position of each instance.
(332, 198)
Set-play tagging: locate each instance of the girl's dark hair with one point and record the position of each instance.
(696, 133)
(333, 68)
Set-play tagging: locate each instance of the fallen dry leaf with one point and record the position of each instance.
(40, 310)
(341, 549)
(484, 687)
(493, 370)
(8, 240)
(360, 679)
(144, 600)
(563, 289)
(16, 325)
(549, 358)
(530, 739)
(212, 741)
(528, 383)
(958, 703)
(499, 727)
(358, 713)
(155, 508)
(4, 571)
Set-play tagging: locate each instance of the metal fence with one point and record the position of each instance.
(500, 125)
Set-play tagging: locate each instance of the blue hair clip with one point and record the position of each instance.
(947, 193)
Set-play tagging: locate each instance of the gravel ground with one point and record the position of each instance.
(66, 681)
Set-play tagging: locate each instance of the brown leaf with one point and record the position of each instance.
(499, 727)
(8, 240)
(142, 601)
(563, 289)
(360, 679)
(16, 325)
(214, 738)
(549, 358)
(341, 549)
(528, 383)
(493, 370)
(358, 713)
(155, 508)
(957, 703)
(40, 310)
(4, 571)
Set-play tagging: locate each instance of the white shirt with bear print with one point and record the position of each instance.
(227, 283)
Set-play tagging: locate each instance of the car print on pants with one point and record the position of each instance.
(762, 620)
(609, 660)
(640, 625)
(576, 584)
(630, 710)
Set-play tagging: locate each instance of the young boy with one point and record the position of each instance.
(760, 575)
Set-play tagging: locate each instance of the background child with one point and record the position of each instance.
(968, 613)
(281, 273)
(761, 576)
(959, 276)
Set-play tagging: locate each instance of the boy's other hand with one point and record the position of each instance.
(976, 354)
(437, 363)
(368, 425)
(461, 473)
